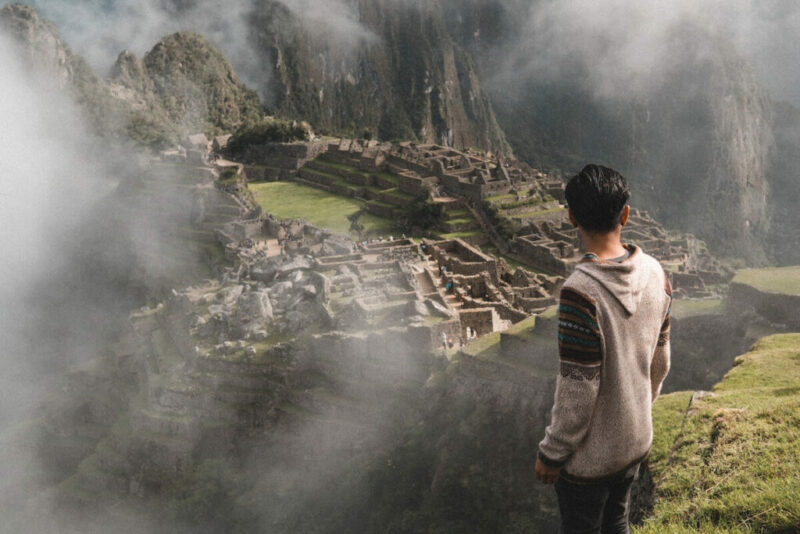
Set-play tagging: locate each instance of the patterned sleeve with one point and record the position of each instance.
(580, 347)
(659, 367)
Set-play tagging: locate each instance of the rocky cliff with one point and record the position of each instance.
(404, 78)
(188, 83)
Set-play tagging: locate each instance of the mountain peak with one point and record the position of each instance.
(39, 43)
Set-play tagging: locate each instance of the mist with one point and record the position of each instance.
(629, 47)
(99, 30)
(50, 183)
(625, 43)
(80, 251)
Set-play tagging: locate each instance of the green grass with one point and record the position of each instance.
(387, 176)
(682, 309)
(350, 169)
(461, 220)
(457, 214)
(777, 280)
(462, 235)
(341, 167)
(335, 179)
(522, 327)
(487, 346)
(398, 194)
(288, 200)
(535, 213)
(499, 198)
(734, 467)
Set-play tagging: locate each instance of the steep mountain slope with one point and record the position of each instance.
(404, 79)
(189, 83)
(784, 238)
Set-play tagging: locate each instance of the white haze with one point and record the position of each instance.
(47, 184)
(99, 30)
(627, 46)
(65, 260)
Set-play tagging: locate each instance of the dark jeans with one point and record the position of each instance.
(594, 508)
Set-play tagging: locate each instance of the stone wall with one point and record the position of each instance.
(482, 320)
(537, 252)
(777, 308)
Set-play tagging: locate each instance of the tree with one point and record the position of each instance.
(355, 226)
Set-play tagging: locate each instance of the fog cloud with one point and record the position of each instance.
(46, 188)
(70, 238)
(627, 47)
(336, 22)
(99, 30)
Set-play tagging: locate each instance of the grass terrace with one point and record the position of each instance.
(289, 200)
(463, 235)
(732, 465)
(500, 199)
(682, 309)
(342, 167)
(784, 280)
(535, 212)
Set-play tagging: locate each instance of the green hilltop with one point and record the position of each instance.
(727, 461)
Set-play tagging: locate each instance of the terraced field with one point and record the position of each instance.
(524, 209)
(325, 192)
(287, 200)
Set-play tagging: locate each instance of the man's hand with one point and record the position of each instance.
(545, 474)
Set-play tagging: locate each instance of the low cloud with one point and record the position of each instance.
(99, 31)
(626, 48)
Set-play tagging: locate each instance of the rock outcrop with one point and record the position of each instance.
(407, 79)
(186, 80)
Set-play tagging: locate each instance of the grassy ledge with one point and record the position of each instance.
(732, 464)
(785, 280)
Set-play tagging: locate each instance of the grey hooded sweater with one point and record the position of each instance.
(614, 355)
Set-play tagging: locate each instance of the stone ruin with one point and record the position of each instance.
(390, 175)
(554, 246)
(468, 174)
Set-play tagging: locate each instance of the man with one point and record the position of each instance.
(613, 331)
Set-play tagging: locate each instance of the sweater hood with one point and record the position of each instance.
(625, 280)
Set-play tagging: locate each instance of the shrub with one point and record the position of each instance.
(267, 131)
(423, 215)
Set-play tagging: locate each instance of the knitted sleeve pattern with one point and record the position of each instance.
(661, 359)
(580, 347)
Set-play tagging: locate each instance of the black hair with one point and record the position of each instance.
(596, 196)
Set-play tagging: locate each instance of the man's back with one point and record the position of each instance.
(613, 328)
(613, 344)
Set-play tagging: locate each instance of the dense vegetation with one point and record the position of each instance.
(422, 216)
(267, 130)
